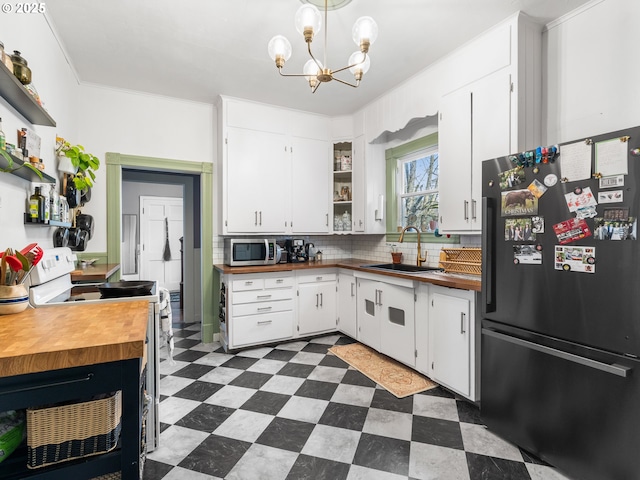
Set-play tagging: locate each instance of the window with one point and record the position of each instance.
(417, 189)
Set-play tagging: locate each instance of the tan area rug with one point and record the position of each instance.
(395, 377)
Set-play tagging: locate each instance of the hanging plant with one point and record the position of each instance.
(85, 162)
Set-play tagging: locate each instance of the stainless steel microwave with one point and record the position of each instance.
(249, 251)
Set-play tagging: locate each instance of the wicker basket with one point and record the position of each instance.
(461, 260)
(66, 432)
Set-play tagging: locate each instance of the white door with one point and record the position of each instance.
(257, 196)
(317, 307)
(397, 323)
(309, 187)
(454, 147)
(161, 220)
(449, 347)
(368, 313)
(347, 304)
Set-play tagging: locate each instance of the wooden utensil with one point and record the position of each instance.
(3, 266)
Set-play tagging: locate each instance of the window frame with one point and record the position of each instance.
(400, 177)
(392, 155)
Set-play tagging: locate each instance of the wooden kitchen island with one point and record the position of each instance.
(68, 353)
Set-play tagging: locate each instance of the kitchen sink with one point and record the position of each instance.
(403, 267)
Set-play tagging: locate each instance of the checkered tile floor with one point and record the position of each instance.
(296, 412)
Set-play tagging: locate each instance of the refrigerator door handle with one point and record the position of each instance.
(488, 255)
(615, 369)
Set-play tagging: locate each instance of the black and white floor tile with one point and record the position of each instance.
(295, 412)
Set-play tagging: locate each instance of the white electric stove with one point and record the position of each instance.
(51, 286)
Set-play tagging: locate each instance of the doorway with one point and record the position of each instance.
(200, 296)
(161, 230)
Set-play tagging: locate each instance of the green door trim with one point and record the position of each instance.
(114, 164)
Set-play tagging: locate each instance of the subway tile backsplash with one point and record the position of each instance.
(367, 247)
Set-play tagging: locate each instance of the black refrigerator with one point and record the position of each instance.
(560, 374)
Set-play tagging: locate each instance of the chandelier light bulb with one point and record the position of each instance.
(359, 66)
(365, 32)
(308, 21)
(279, 50)
(311, 70)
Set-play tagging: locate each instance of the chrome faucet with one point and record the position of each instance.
(420, 257)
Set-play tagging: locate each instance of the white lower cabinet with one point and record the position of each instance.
(368, 313)
(261, 309)
(453, 340)
(386, 317)
(347, 303)
(316, 303)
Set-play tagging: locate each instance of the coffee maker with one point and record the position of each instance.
(296, 251)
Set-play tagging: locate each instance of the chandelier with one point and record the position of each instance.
(308, 22)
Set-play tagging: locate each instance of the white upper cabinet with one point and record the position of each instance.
(254, 194)
(274, 170)
(494, 115)
(309, 186)
(474, 125)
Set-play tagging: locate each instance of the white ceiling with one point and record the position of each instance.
(199, 49)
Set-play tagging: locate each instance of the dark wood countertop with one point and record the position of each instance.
(64, 336)
(452, 280)
(94, 273)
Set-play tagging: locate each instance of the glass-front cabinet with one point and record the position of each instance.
(342, 187)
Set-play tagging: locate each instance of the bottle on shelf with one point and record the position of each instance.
(36, 207)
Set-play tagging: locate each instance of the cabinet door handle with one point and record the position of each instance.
(249, 282)
(260, 217)
(264, 309)
(255, 219)
(263, 296)
(318, 279)
(265, 322)
(380, 297)
(327, 224)
(352, 285)
(321, 300)
(473, 209)
(466, 209)
(462, 315)
(317, 300)
(360, 221)
(280, 280)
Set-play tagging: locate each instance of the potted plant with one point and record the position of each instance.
(396, 256)
(80, 164)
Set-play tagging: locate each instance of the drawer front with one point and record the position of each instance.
(278, 282)
(319, 277)
(261, 296)
(261, 307)
(266, 328)
(241, 285)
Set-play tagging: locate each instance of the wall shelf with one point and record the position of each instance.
(19, 98)
(24, 172)
(52, 223)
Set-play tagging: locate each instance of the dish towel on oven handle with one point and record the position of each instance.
(166, 322)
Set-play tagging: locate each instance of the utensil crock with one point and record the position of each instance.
(13, 299)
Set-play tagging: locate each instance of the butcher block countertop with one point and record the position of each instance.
(452, 280)
(94, 273)
(64, 336)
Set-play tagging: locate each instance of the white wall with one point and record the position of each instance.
(57, 86)
(134, 123)
(592, 71)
